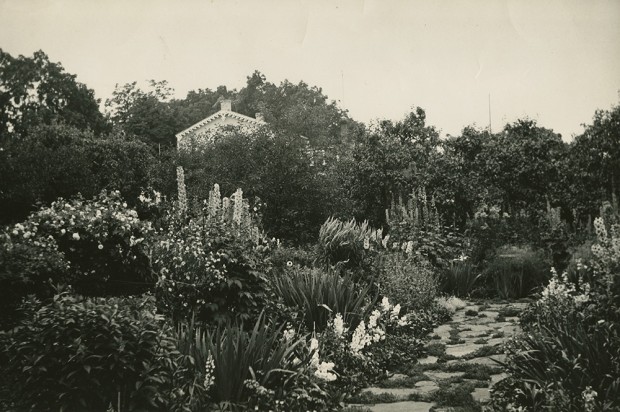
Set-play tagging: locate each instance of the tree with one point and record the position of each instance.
(62, 161)
(593, 166)
(272, 167)
(35, 91)
(145, 114)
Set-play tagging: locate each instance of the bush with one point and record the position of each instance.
(61, 161)
(347, 244)
(89, 353)
(27, 267)
(515, 272)
(212, 265)
(409, 280)
(287, 256)
(102, 240)
(264, 368)
(317, 294)
(570, 357)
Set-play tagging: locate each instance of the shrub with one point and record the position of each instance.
(286, 256)
(258, 369)
(27, 267)
(61, 161)
(87, 353)
(515, 272)
(570, 355)
(317, 294)
(347, 244)
(103, 241)
(409, 280)
(212, 265)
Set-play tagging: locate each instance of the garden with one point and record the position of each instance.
(408, 272)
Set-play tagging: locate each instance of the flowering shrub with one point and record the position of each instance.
(27, 266)
(212, 265)
(85, 354)
(265, 368)
(407, 279)
(316, 294)
(103, 241)
(348, 245)
(570, 355)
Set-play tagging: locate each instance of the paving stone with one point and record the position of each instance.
(480, 328)
(397, 377)
(496, 341)
(472, 334)
(462, 349)
(490, 314)
(513, 319)
(437, 375)
(511, 330)
(428, 360)
(425, 387)
(482, 395)
(498, 377)
(499, 325)
(406, 406)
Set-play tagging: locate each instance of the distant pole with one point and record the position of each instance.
(490, 125)
(342, 76)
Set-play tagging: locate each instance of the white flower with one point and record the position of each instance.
(395, 312)
(385, 304)
(409, 247)
(76, 236)
(339, 325)
(209, 372)
(63, 231)
(100, 246)
(325, 372)
(289, 333)
(289, 264)
(366, 243)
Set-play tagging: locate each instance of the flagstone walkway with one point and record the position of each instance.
(460, 367)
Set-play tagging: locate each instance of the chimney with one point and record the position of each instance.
(259, 116)
(226, 105)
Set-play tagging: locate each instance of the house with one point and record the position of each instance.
(208, 127)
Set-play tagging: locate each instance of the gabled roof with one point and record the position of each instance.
(220, 114)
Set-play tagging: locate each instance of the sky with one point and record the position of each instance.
(552, 61)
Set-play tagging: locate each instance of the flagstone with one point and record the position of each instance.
(406, 406)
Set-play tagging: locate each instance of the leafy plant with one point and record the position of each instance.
(515, 272)
(87, 353)
(460, 278)
(409, 280)
(212, 265)
(318, 294)
(347, 244)
(242, 369)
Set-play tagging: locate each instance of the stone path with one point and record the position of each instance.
(459, 368)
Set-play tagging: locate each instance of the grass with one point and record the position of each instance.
(509, 311)
(435, 349)
(455, 395)
(471, 312)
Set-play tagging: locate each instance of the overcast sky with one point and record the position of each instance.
(554, 61)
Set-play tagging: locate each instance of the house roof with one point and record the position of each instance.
(218, 115)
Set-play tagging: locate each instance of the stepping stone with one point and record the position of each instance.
(513, 319)
(480, 328)
(499, 325)
(428, 360)
(490, 314)
(498, 377)
(472, 334)
(407, 406)
(462, 349)
(511, 329)
(436, 375)
(481, 395)
(402, 393)
(495, 341)
(425, 387)
(397, 377)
